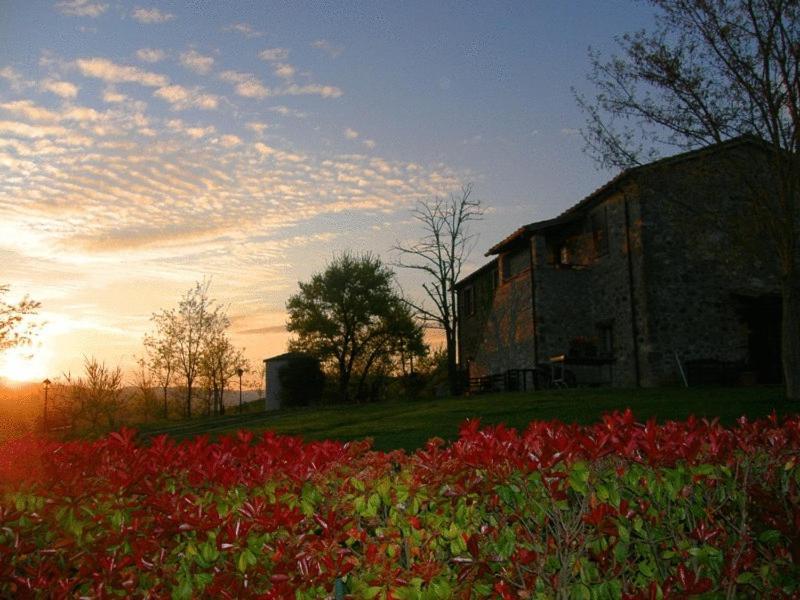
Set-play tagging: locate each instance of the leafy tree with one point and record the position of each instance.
(439, 255)
(162, 362)
(14, 331)
(710, 71)
(350, 317)
(181, 335)
(302, 381)
(219, 363)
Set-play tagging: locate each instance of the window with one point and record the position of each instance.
(599, 220)
(515, 262)
(468, 300)
(564, 255)
(605, 338)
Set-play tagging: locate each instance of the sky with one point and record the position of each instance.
(147, 146)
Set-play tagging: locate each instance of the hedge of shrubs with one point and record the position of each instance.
(619, 509)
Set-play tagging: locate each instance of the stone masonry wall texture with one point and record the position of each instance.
(669, 282)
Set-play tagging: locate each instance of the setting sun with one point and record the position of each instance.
(23, 364)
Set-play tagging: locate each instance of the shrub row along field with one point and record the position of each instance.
(615, 509)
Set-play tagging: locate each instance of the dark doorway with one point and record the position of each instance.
(763, 318)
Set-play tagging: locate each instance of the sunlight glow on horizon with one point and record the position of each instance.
(25, 364)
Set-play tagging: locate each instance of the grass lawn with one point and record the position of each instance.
(409, 424)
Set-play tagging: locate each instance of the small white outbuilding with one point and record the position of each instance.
(272, 380)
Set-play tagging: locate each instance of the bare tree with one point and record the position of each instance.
(439, 255)
(14, 330)
(92, 402)
(708, 72)
(142, 380)
(185, 330)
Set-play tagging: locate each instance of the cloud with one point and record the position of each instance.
(197, 132)
(245, 29)
(102, 68)
(15, 80)
(182, 98)
(263, 149)
(82, 114)
(246, 84)
(570, 131)
(229, 141)
(252, 89)
(350, 134)
(283, 70)
(312, 89)
(262, 330)
(197, 62)
(64, 89)
(257, 127)
(151, 15)
(285, 111)
(279, 155)
(369, 144)
(30, 111)
(81, 8)
(150, 55)
(111, 95)
(330, 49)
(274, 54)
(31, 131)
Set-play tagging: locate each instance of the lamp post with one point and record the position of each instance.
(240, 372)
(46, 384)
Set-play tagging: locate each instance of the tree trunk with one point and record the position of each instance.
(188, 398)
(165, 401)
(344, 382)
(452, 366)
(790, 333)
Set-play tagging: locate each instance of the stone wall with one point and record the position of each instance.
(683, 255)
(499, 335)
(577, 301)
(702, 255)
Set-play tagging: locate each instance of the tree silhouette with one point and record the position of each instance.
(350, 316)
(440, 255)
(15, 330)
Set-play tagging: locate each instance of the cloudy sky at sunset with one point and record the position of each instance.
(144, 146)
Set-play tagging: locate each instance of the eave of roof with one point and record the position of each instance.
(284, 356)
(476, 273)
(600, 193)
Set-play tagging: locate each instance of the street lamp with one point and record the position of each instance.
(240, 372)
(46, 384)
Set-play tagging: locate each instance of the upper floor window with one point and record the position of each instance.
(468, 300)
(599, 220)
(515, 262)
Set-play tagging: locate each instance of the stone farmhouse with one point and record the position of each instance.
(657, 277)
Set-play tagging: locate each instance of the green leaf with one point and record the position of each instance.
(371, 592)
(580, 591)
(746, 578)
(183, 591)
(579, 478)
(246, 558)
(769, 537)
(647, 570)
